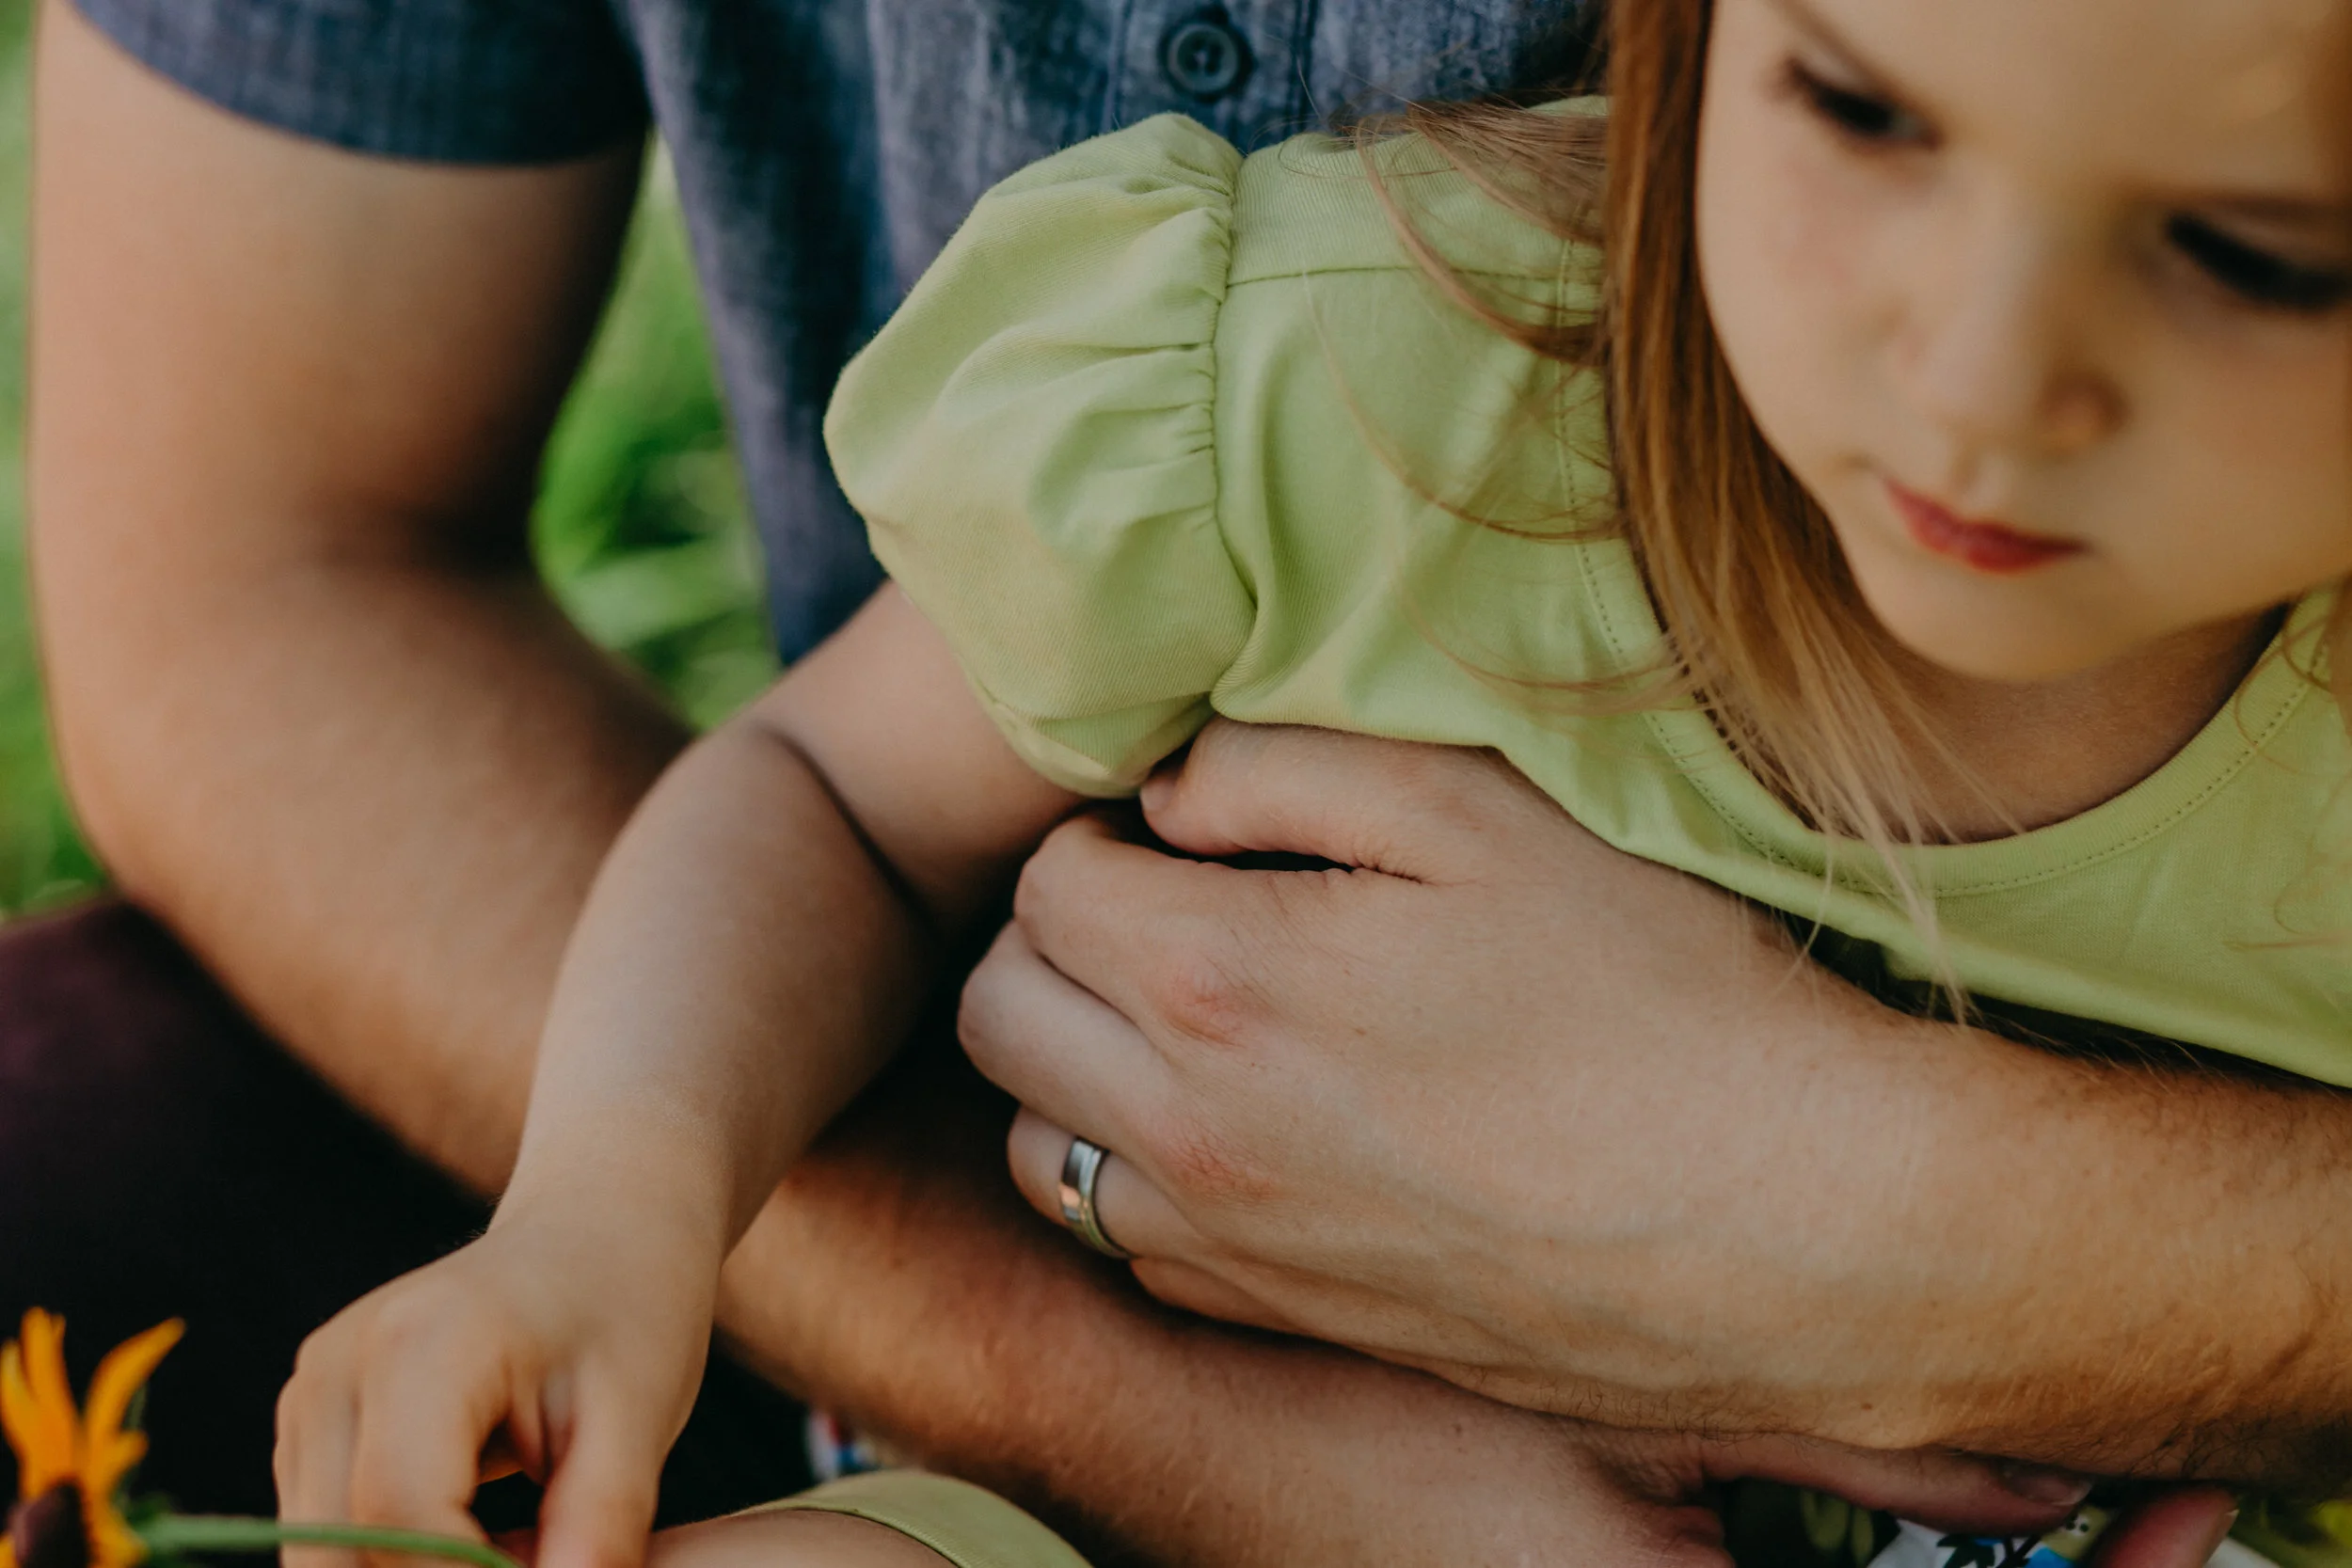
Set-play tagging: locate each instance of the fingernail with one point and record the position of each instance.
(2042, 1484)
(1156, 789)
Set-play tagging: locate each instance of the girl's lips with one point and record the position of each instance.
(1986, 546)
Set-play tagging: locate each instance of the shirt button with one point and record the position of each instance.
(1203, 56)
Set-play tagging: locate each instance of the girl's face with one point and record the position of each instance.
(2049, 305)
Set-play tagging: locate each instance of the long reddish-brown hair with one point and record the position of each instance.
(1765, 627)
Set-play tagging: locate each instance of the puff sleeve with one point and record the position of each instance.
(1029, 440)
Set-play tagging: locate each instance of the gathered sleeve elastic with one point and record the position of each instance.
(1029, 440)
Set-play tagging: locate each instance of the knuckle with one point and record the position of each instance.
(321, 1368)
(1212, 1169)
(972, 1015)
(1028, 889)
(1218, 746)
(1044, 886)
(397, 1329)
(979, 1013)
(1201, 995)
(313, 1360)
(293, 1403)
(1195, 783)
(285, 1471)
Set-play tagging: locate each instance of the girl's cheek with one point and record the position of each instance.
(2274, 452)
(2232, 486)
(1785, 249)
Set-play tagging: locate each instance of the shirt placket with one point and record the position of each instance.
(1239, 67)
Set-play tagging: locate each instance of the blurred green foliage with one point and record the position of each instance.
(641, 527)
(41, 861)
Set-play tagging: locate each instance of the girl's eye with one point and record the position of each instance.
(2254, 275)
(1857, 114)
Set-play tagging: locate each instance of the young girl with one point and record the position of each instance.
(1973, 385)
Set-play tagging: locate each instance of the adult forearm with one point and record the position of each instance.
(2164, 1265)
(287, 404)
(378, 845)
(2119, 1269)
(1972, 1245)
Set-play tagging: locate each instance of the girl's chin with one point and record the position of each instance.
(1966, 637)
(1998, 666)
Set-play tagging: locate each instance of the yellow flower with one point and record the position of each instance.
(71, 1464)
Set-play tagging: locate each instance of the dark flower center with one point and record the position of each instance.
(48, 1531)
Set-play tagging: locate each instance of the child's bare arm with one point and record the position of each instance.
(755, 946)
(765, 926)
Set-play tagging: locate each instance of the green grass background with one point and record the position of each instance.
(640, 525)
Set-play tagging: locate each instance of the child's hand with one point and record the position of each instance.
(576, 1344)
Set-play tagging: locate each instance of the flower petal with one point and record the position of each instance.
(113, 1544)
(120, 1376)
(37, 1404)
(19, 1414)
(107, 1462)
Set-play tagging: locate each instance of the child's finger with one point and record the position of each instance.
(317, 1420)
(598, 1508)
(428, 1402)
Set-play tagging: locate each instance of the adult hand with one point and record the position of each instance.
(898, 1279)
(1585, 1134)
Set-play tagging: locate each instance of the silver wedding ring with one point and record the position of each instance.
(1080, 1168)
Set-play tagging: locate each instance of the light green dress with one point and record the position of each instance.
(1167, 433)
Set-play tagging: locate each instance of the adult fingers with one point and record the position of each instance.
(1135, 1215)
(1129, 1208)
(1167, 943)
(1938, 1488)
(1407, 809)
(2183, 1529)
(1056, 1046)
(598, 1508)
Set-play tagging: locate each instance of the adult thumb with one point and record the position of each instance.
(1408, 809)
(1943, 1490)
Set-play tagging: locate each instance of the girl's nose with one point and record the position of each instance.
(1998, 354)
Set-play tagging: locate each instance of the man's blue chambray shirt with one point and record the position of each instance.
(825, 149)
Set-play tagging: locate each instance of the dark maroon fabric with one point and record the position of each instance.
(160, 1158)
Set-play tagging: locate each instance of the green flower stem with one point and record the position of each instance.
(172, 1533)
